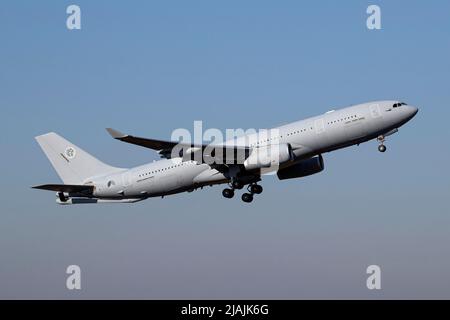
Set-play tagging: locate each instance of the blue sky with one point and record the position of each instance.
(149, 67)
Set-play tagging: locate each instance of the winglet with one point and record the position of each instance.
(116, 134)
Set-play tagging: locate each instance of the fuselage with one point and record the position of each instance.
(313, 136)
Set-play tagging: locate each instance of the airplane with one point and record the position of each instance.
(295, 151)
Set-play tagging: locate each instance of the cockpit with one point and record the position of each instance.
(396, 105)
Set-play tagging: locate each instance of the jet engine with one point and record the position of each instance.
(268, 156)
(302, 169)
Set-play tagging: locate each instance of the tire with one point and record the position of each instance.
(382, 148)
(256, 188)
(228, 193)
(247, 197)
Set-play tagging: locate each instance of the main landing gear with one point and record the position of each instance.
(381, 146)
(236, 184)
(252, 189)
(255, 188)
(228, 193)
(246, 197)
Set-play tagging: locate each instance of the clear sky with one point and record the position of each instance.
(149, 67)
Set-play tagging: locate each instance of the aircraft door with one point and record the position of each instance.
(376, 118)
(320, 126)
(126, 179)
(375, 110)
(321, 138)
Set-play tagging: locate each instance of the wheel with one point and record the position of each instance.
(247, 197)
(382, 148)
(237, 185)
(228, 193)
(256, 188)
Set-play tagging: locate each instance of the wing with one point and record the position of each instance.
(143, 142)
(165, 148)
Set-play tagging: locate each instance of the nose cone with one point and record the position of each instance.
(411, 111)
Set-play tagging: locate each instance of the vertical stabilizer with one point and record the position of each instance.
(72, 164)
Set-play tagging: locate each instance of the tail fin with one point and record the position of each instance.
(72, 164)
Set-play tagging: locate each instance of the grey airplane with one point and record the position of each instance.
(292, 151)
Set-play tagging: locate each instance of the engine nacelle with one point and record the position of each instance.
(302, 169)
(268, 156)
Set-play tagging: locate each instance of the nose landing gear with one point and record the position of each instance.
(381, 146)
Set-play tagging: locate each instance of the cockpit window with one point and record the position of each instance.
(399, 104)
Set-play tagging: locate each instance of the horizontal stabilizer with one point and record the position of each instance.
(69, 188)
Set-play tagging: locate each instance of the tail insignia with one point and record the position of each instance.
(70, 152)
